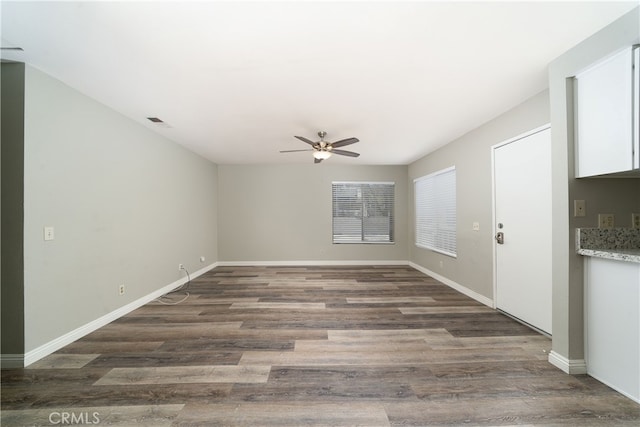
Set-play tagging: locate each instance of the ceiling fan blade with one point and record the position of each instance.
(295, 151)
(344, 142)
(345, 153)
(316, 160)
(303, 139)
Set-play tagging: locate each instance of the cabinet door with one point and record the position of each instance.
(636, 107)
(612, 324)
(604, 116)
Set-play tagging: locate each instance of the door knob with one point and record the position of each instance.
(500, 238)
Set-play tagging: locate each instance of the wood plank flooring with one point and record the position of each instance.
(310, 346)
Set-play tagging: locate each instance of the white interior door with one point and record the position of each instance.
(522, 214)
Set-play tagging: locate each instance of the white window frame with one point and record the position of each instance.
(436, 212)
(339, 228)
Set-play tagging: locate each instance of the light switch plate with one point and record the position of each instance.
(579, 208)
(49, 233)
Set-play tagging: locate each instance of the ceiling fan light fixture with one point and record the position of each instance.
(321, 155)
(322, 149)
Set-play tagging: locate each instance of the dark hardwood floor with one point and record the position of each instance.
(297, 346)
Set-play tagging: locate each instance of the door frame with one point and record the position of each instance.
(493, 203)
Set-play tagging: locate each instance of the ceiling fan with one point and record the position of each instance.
(322, 149)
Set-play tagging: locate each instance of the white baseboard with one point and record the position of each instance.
(18, 360)
(306, 263)
(468, 292)
(9, 361)
(458, 287)
(462, 289)
(573, 367)
(56, 344)
(635, 398)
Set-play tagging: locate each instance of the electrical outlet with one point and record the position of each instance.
(201, 259)
(635, 220)
(180, 267)
(476, 226)
(606, 220)
(121, 290)
(579, 208)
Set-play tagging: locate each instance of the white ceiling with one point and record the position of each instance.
(236, 80)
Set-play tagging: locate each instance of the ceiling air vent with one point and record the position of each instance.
(158, 122)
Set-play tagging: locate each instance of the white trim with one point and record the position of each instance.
(572, 367)
(18, 360)
(522, 135)
(432, 174)
(458, 287)
(365, 182)
(462, 289)
(56, 344)
(636, 107)
(306, 263)
(10, 361)
(440, 251)
(615, 387)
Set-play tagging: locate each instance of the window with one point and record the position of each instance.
(363, 212)
(435, 197)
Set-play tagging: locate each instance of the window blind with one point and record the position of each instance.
(363, 212)
(435, 204)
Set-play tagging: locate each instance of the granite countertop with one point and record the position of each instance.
(621, 244)
(631, 255)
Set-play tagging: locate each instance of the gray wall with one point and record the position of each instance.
(619, 196)
(127, 206)
(12, 140)
(283, 213)
(471, 155)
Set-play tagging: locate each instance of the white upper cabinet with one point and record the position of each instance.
(607, 115)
